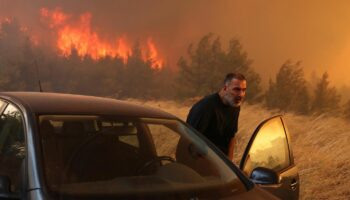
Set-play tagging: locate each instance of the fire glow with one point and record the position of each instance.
(79, 35)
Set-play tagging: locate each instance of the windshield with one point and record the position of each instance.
(104, 157)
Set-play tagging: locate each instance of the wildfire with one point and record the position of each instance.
(153, 54)
(79, 35)
(23, 29)
(57, 16)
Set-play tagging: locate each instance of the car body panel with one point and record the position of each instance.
(256, 193)
(55, 103)
(33, 175)
(287, 178)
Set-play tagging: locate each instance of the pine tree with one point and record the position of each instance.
(326, 98)
(346, 111)
(208, 63)
(137, 79)
(289, 91)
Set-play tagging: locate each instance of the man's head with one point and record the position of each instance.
(234, 89)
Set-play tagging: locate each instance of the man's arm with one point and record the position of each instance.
(199, 118)
(233, 140)
(231, 148)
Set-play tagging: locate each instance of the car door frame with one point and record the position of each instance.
(31, 172)
(23, 169)
(290, 173)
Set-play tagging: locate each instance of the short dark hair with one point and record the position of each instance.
(234, 75)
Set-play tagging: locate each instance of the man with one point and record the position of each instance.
(216, 115)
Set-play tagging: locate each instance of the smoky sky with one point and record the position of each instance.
(315, 32)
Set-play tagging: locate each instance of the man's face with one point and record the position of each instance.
(234, 92)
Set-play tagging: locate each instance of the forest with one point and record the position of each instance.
(24, 65)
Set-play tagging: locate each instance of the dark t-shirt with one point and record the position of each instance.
(215, 120)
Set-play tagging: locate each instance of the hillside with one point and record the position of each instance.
(320, 144)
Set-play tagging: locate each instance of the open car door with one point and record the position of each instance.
(268, 159)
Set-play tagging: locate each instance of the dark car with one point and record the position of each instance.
(62, 146)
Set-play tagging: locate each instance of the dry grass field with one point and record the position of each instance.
(321, 146)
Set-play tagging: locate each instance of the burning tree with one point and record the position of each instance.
(78, 34)
(15, 57)
(74, 58)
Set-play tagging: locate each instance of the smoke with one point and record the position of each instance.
(314, 32)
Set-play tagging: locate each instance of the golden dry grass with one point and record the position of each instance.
(321, 146)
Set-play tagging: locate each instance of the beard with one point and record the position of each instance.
(232, 100)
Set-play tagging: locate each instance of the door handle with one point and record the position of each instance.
(294, 184)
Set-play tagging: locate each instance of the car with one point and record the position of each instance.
(65, 146)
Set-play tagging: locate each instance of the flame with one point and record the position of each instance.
(57, 17)
(23, 29)
(123, 50)
(153, 55)
(79, 35)
(6, 20)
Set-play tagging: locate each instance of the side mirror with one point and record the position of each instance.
(264, 176)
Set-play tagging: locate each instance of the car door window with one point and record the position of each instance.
(130, 138)
(2, 105)
(165, 139)
(269, 148)
(12, 145)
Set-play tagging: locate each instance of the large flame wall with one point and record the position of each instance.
(76, 32)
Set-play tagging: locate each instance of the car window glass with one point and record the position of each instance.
(269, 149)
(128, 132)
(165, 139)
(2, 105)
(146, 155)
(81, 145)
(12, 145)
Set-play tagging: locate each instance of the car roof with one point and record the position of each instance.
(58, 103)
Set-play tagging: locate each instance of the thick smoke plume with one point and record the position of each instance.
(314, 32)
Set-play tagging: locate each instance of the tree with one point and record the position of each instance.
(289, 91)
(11, 42)
(163, 81)
(10, 74)
(237, 60)
(346, 110)
(207, 65)
(137, 79)
(28, 65)
(326, 98)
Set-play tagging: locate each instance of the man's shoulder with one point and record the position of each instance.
(207, 101)
(202, 109)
